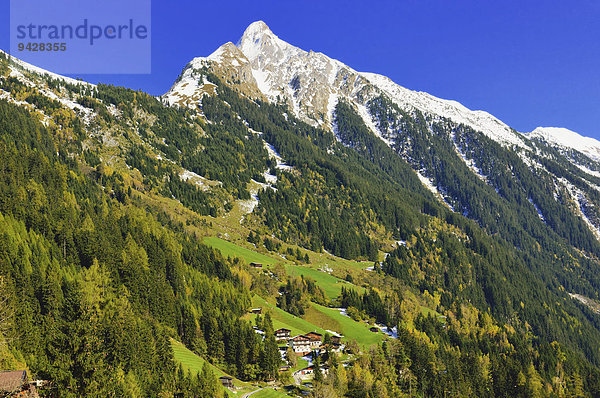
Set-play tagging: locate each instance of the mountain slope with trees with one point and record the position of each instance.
(106, 194)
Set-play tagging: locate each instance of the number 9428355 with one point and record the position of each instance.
(42, 47)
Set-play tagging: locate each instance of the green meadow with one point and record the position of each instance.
(282, 319)
(194, 363)
(269, 393)
(232, 250)
(331, 285)
(319, 318)
(330, 318)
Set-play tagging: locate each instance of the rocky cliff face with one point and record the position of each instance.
(309, 82)
(228, 62)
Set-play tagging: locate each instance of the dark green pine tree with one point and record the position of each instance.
(270, 359)
(318, 374)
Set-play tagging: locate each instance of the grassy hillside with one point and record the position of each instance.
(268, 393)
(233, 250)
(194, 364)
(330, 318)
(191, 361)
(100, 256)
(282, 319)
(331, 285)
(321, 319)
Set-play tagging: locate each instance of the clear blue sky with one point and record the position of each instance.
(529, 63)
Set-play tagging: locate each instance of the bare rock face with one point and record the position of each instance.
(309, 82)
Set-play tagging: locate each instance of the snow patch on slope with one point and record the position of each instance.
(248, 206)
(529, 161)
(427, 183)
(224, 52)
(17, 67)
(198, 180)
(34, 69)
(537, 209)
(273, 154)
(578, 196)
(270, 179)
(469, 162)
(366, 117)
(5, 95)
(262, 82)
(331, 104)
(433, 189)
(588, 171)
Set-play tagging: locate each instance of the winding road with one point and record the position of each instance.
(246, 395)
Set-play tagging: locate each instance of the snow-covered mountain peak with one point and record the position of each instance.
(568, 139)
(257, 29)
(312, 83)
(263, 48)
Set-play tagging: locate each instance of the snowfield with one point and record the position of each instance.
(568, 139)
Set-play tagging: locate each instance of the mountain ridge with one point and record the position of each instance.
(566, 138)
(266, 50)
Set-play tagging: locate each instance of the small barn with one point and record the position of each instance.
(336, 339)
(226, 381)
